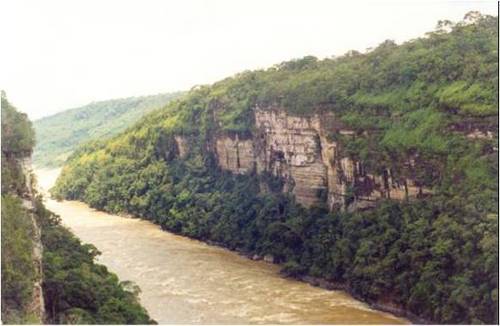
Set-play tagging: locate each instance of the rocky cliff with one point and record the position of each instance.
(37, 306)
(300, 150)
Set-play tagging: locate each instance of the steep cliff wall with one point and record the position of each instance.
(182, 146)
(37, 306)
(298, 149)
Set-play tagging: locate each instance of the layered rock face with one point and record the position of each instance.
(290, 147)
(297, 149)
(234, 154)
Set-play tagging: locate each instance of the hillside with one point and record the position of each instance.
(48, 275)
(377, 172)
(58, 135)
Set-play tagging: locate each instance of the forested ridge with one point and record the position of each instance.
(433, 99)
(75, 288)
(59, 134)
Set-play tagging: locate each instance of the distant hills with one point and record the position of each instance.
(58, 135)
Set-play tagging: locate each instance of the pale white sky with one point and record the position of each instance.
(59, 54)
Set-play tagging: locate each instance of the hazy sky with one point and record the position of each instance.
(57, 55)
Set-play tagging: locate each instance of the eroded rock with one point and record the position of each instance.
(298, 150)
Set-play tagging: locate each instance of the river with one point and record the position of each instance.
(184, 281)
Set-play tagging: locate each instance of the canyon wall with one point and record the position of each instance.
(37, 305)
(298, 150)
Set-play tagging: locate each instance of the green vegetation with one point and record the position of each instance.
(435, 257)
(18, 272)
(58, 135)
(76, 290)
(18, 137)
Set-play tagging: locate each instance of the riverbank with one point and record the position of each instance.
(186, 281)
(189, 281)
(388, 306)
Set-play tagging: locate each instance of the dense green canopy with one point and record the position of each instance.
(18, 137)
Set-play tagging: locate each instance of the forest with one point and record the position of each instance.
(75, 288)
(428, 98)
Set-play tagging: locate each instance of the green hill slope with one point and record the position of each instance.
(58, 135)
(378, 171)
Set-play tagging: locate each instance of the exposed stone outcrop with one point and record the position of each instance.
(298, 150)
(291, 148)
(37, 306)
(234, 154)
(478, 134)
(182, 146)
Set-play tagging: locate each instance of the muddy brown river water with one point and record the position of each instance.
(184, 281)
